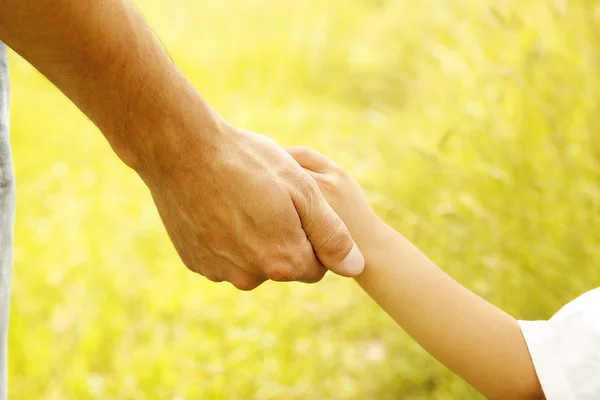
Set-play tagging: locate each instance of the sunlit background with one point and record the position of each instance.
(472, 125)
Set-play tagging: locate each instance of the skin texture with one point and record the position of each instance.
(477, 341)
(236, 206)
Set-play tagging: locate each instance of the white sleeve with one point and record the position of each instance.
(566, 349)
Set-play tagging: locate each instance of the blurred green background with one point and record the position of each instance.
(472, 125)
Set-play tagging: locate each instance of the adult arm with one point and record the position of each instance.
(235, 205)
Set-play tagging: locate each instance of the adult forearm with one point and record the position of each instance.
(235, 205)
(105, 59)
(470, 336)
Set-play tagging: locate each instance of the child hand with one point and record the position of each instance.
(345, 196)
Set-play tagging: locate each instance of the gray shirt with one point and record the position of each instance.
(7, 212)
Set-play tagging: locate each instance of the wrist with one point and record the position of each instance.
(162, 131)
(375, 240)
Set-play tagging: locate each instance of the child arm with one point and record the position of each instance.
(474, 339)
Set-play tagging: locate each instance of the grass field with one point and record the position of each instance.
(472, 125)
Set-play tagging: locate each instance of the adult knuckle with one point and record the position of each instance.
(311, 189)
(314, 275)
(255, 256)
(295, 180)
(212, 275)
(281, 272)
(287, 171)
(303, 181)
(246, 285)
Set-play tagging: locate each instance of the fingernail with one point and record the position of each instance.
(354, 263)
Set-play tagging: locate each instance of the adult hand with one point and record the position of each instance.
(236, 206)
(240, 209)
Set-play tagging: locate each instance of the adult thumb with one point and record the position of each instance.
(331, 240)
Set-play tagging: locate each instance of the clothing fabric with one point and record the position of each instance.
(7, 211)
(566, 349)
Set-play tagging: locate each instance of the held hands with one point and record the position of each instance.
(345, 197)
(236, 206)
(240, 209)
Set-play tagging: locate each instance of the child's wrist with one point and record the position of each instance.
(376, 241)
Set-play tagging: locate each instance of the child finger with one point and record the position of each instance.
(310, 159)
